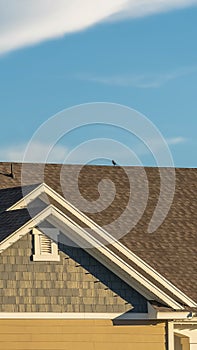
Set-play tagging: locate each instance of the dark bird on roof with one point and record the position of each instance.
(113, 162)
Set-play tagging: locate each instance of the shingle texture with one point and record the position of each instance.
(78, 283)
(10, 221)
(9, 196)
(171, 250)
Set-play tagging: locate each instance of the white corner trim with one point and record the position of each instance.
(170, 328)
(44, 188)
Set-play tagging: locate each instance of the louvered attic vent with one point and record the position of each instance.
(45, 245)
(45, 249)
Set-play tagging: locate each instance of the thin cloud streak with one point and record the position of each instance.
(16, 153)
(24, 23)
(176, 140)
(143, 81)
(156, 145)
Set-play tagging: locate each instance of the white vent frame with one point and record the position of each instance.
(39, 254)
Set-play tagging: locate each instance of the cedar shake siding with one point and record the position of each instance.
(78, 283)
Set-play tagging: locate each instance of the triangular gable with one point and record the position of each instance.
(42, 190)
(143, 282)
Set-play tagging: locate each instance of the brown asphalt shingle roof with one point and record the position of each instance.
(10, 221)
(9, 196)
(171, 250)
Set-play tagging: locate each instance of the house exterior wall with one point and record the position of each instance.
(79, 334)
(189, 331)
(181, 342)
(78, 283)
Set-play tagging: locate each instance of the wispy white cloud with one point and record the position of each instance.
(176, 140)
(24, 23)
(143, 81)
(157, 145)
(16, 153)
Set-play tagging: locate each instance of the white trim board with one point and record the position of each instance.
(44, 188)
(62, 315)
(167, 315)
(179, 317)
(75, 316)
(170, 335)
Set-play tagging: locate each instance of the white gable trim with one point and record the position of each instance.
(44, 188)
(23, 202)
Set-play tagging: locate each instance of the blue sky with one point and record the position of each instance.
(147, 62)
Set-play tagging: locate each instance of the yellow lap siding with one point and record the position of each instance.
(72, 334)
